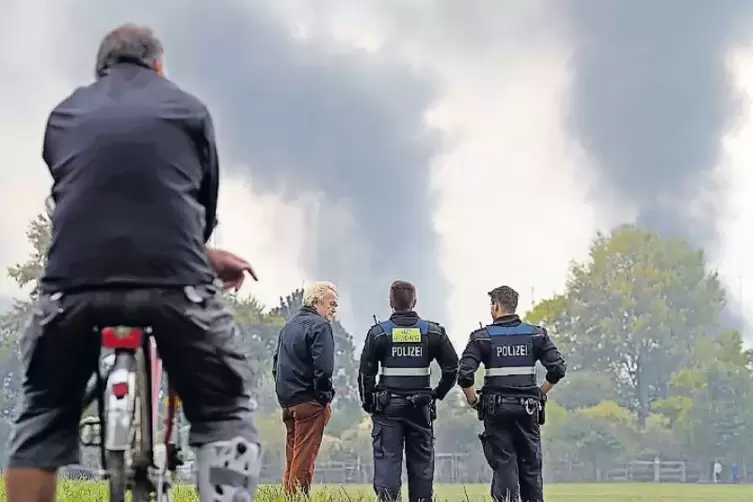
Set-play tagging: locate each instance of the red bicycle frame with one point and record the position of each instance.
(172, 397)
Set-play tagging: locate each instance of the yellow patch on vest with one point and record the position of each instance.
(406, 335)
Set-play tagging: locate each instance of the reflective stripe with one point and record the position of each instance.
(406, 372)
(498, 372)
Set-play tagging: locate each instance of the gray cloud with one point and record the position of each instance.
(651, 100)
(300, 116)
(651, 96)
(348, 124)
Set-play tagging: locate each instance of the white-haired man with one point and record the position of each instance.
(302, 368)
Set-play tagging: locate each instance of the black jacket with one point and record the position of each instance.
(479, 345)
(440, 349)
(304, 360)
(135, 181)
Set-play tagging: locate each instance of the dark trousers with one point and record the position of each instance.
(401, 426)
(304, 424)
(197, 339)
(512, 447)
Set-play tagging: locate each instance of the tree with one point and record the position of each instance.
(260, 330)
(709, 403)
(11, 323)
(635, 311)
(39, 235)
(555, 314)
(584, 389)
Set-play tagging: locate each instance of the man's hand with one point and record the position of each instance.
(369, 403)
(471, 397)
(324, 397)
(230, 268)
(545, 387)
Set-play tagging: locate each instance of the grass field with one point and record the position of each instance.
(73, 491)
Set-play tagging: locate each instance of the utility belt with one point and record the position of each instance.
(492, 404)
(383, 397)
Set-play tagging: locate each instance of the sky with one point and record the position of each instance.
(457, 145)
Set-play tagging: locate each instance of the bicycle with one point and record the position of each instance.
(126, 388)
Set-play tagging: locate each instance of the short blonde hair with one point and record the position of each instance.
(316, 291)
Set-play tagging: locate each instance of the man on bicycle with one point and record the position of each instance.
(135, 171)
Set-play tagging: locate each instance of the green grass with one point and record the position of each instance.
(74, 491)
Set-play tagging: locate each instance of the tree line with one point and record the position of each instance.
(654, 369)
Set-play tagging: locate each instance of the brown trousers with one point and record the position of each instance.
(305, 424)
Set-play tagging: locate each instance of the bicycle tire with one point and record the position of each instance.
(116, 479)
(141, 490)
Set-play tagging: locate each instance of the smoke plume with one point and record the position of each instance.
(651, 100)
(307, 117)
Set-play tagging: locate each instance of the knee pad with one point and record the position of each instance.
(228, 471)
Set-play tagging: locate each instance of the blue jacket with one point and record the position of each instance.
(304, 360)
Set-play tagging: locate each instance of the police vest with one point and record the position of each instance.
(406, 363)
(511, 363)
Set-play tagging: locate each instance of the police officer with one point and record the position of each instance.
(511, 404)
(403, 405)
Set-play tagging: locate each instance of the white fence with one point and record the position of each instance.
(656, 472)
(646, 471)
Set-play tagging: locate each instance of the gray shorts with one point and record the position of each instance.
(197, 339)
